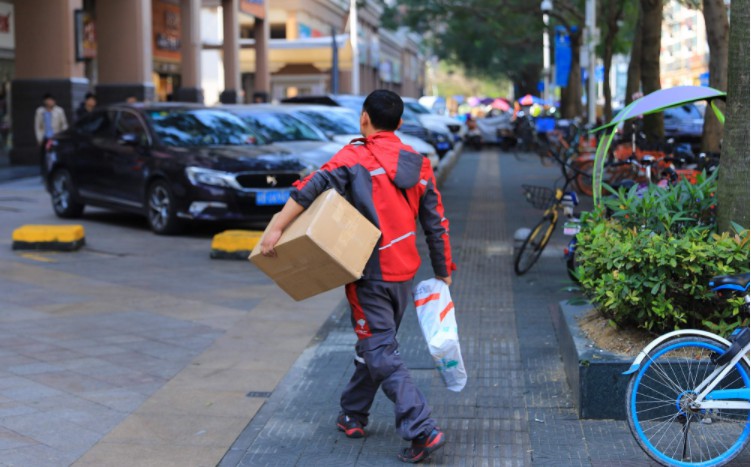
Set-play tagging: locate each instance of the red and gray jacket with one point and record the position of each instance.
(391, 185)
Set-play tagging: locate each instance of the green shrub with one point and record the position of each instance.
(650, 263)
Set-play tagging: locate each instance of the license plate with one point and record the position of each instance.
(272, 197)
(443, 146)
(571, 228)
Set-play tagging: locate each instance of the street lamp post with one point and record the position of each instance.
(355, 47)
(546, 6)
(592, 38)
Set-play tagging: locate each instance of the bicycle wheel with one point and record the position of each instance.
(658, 411)
(533, 245)
(584, 176)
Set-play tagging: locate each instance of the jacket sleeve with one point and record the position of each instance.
(436, 227)
(39, 126)
(333, 174)
(63, 120)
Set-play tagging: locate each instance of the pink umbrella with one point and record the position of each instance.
(501, 104)
(527, 100)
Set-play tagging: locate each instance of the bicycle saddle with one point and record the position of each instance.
(738, 282)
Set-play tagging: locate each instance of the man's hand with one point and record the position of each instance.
(447, 280)
(277, 225)
(269, 242)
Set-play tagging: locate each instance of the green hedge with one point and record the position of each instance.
(649, 263)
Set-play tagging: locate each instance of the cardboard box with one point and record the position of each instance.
(327, 246)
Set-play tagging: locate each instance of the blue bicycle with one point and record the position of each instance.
(688, 399)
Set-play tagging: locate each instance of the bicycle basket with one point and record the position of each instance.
(540, 197)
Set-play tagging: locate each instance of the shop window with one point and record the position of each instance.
(278, 31)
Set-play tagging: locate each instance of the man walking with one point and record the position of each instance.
(392, 186)
(48, 120)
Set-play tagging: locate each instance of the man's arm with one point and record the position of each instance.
(64, 125)
(333, 174)
(436, 228)
(39, 126)
(289, 212)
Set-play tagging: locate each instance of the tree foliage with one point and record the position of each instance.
(478, 35)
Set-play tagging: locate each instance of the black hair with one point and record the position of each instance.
(47, 96)
(384, 108)
(88, 95)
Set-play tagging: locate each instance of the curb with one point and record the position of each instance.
(234, 244)
(594, 375)
(447, 164)
(49, 237)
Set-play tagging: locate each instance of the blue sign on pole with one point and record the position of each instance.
(600, 73)
(540, 86)
(562, 56)
(704, 79)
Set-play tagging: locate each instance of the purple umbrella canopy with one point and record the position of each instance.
(663, 99)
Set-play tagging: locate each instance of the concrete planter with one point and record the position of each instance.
(593, 374)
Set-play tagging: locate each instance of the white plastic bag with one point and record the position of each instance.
(435, 312)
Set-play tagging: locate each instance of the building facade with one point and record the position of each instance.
(189, 50)
(145, 49)
(684, 52)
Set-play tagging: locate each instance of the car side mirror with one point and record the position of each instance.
(330, 135)
(129, 139)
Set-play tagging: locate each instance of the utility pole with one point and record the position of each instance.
(355, 47)
(592, 38)
(546, 6)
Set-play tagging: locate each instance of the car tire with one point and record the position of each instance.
(63, 194)
(160, 209)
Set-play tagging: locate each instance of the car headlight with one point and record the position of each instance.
(201, 176)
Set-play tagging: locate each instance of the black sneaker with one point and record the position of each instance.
(350, 426)
(423, 446)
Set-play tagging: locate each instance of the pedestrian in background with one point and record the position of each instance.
(87, 106)
(49, 119)
(392, 186)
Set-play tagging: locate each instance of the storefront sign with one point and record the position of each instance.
(85, 31)
(6, 26)
(253, 7)
(384, 71)
(166, 30)
(396, 72)
(375, 52)
(304, 31)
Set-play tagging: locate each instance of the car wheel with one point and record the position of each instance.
(63, 195)
(161, 209)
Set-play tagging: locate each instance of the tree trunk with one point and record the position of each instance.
(716, 19)
(612, 15)
(733, 188)
(571, 97)
(650, 63)
(633, 82)
(526, 80)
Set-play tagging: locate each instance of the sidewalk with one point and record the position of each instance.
(516, 409)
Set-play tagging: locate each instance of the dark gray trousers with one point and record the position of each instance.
(377, 308)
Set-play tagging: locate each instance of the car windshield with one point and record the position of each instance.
(200, 127)
(416, 108)
(685, 112)
(341, 122)
(410, 117)
(353, 103)
(280, 127)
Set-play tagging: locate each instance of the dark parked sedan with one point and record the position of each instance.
(169, 162)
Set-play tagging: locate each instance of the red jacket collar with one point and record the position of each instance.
(378, 136)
